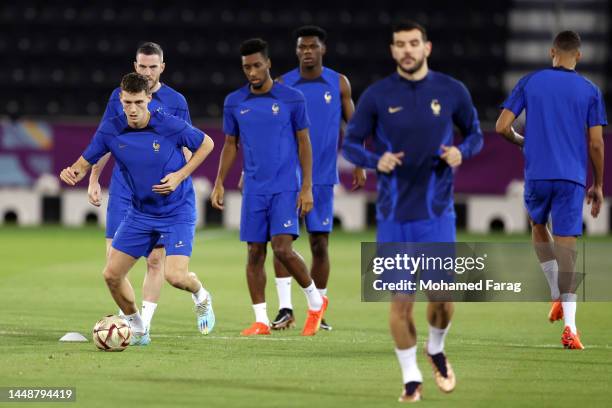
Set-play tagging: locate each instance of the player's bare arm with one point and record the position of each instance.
(596, 155)
(504, 128)
(75, 173)
(187, 153)
(228, 156)
(305, 200)
(172, 180)
(348, 108)
(94, 191)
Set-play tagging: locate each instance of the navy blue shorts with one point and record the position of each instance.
(117, 209)
(562, 200)
(431, 240)
(265, 215)
(137, 235)
(321, 218)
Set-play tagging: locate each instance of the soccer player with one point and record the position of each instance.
(411, 114)
(562, 109)
(271, 123)
(150, 63)
(328, 100)
(148, 149)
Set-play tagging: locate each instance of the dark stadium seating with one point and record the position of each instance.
(64, 58)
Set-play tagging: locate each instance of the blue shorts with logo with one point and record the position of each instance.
(117, 209)
(138, 234)
(562, 200)
(265, 215)
(321, 218)
(430, 238)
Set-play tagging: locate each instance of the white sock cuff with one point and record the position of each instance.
(568, 297)
(285, 281)
(261, 314)
(148, 304)
(406, 353)
(200, 296)
(323, 291)
(549, 265)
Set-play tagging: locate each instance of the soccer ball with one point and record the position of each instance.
(112, 333)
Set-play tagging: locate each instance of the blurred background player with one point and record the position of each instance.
(411, 114)
(150, 63)
(328, 101)
(560, 106)
(148, 149)
(271, 122)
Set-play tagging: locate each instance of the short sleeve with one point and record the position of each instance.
(516, 100)
(97, 147)
(597, 111)
(183, 110)
(230, 125)
(191, 138)
(299, 115)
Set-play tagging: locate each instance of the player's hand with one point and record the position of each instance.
(359, 178)
(388, 161)
(168, 183)
(305, 201)
(451, 155)
(71, 176)
(595, 199)
(216, 197)
(94, 194)
(241, 182)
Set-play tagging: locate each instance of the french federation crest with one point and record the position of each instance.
(275, 108)
(156, 146)
(436, 107)
(327, 97)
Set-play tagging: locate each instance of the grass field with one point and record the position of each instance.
(506, 354)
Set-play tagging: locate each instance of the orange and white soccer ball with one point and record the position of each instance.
(112, 333)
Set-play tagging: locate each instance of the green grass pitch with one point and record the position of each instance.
(504, 354)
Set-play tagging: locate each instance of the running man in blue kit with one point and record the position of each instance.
(329, 101)
(562, 109)
(270, 122)
(150, 63)
(148, 149)
(411, 115)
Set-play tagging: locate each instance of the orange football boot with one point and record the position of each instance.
(442, 371)
(256, 329)
(570, 340)
(414, 397)
(556, 311)
(313, 321)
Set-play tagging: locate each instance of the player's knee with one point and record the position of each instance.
(283, 252)
(175, 277)
(155, 262)
(112, 278)
(256, 255)
(318, 246)
(401, 311)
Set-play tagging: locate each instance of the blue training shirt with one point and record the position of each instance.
(145, 156)
(324, 104)
(560, 105)
(166, 99)
(414, 117)
(266, 126)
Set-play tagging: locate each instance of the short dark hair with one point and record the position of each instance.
(567, 41)
(253, 46)
(150, 48)
(135, 83)
(310, 31)
(407, 25)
